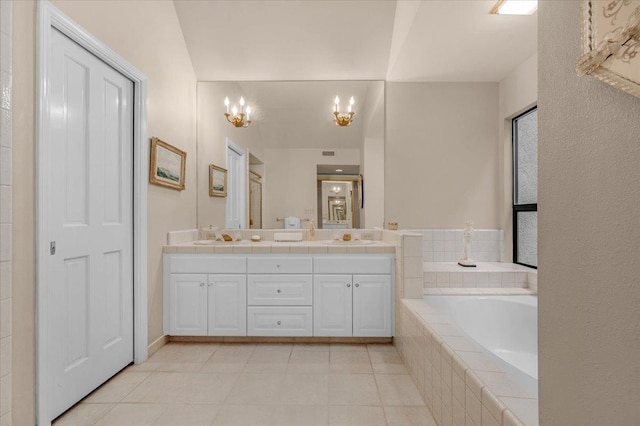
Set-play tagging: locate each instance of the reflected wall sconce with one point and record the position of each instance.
(238, 119)
(343, 118)
(336, 189)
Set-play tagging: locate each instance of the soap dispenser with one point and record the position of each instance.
(312, 231)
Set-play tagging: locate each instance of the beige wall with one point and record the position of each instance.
(372, 162)
(147, 34)
(441, 158)
(588, 235)
(517, 93)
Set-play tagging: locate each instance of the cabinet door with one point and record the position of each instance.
(188, 305)
(227, 305)
(372, 305)
(332, 298)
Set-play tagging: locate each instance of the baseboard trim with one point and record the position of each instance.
(269, 339)
(157, 344)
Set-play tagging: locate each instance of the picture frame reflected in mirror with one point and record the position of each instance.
(217, 181)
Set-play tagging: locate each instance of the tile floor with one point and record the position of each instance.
(258, 384)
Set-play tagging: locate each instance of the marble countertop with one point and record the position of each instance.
(266, 247)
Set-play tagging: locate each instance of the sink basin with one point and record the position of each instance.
(348, 243)
(218, 243)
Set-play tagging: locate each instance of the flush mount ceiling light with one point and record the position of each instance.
(343, 118)
(238, 119)
(515, 7)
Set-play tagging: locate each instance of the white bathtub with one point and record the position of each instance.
(506, 326)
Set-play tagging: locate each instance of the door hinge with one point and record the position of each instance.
(52, 248)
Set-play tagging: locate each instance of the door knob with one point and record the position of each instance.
(279, 291)
(357, 285)
(201, 284)
(348, 285)
(279, 322)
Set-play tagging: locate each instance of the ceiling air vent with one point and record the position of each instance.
(328, 153)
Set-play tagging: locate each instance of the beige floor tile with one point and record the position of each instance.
(256, 389)
(398, 389)
(166, 367)
(263, 347)
(308, 362)
(350, 362)
(132, 414)
(390, 369)
(117, 387)
(188, 414)
(381, 347)
(353, 389)
(385, 357)
(387, 362)
(195, 388)
(184, 352)
(350, 347)
(244, 415)
(356, 416)
(272, 361)
(317, 347)
(300, 415)
(349, 357)
(222, 367)
(305, 389)
(83, 414)
(409, 416)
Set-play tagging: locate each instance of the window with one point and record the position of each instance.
(525, 188)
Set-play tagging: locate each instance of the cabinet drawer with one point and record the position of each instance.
(279, 290)
(211, 264)
(352, 265)
(279, 321)
(280, 265)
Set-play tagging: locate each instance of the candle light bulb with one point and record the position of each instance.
(241, 101)
(234, 110)
(226, 103)
(337, 102)
(248, 112)
(352, 101)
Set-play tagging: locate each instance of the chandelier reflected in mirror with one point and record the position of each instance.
(238, 119)
(343, 118)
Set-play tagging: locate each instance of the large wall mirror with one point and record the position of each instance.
(293, 160)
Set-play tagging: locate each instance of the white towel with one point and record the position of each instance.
(291, 222)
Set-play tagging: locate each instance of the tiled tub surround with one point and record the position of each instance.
(485, 275)
(461, 385)
(446, 245)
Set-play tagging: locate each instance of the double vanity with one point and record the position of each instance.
(299, 289)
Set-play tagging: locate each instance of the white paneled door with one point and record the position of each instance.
(89, 196)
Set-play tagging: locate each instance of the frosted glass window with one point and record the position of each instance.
(525, 129)
(528, 238)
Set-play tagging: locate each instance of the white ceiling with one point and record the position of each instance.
(432, 40)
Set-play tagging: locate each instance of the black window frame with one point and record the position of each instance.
(518, 208)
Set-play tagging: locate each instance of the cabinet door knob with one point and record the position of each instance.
(201, 284)
(348, 285)
(357, 285)
(279, 291)
(279, 322)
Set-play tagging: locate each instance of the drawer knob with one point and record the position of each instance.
(279, 322)
(348, 285)
(357, 285)
(277, 266)
(279, 291)
(201, 284)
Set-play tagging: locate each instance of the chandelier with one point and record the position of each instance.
(343, 118)
(238, 119)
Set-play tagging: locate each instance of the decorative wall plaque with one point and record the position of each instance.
(611, 43)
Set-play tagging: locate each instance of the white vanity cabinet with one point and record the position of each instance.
(358, 305)
(210, 302)
(278, 295)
